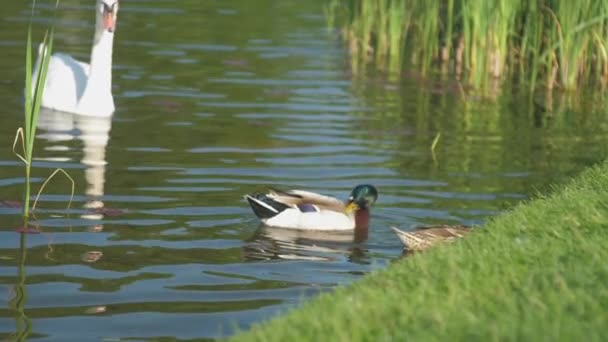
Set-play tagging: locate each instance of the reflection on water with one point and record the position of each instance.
(159, 243)
(269, 243)
(59, 128)
(18, 296)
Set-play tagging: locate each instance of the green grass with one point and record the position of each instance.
(550, 43)
(535, 273)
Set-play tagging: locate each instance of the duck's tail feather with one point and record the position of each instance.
(265, 207)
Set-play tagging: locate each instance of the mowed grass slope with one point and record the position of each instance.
(538, 272)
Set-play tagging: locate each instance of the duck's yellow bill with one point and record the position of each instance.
(352, 206)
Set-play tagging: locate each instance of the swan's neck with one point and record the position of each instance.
(100, 73)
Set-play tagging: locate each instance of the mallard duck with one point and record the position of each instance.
(425, 237)
(297, 209)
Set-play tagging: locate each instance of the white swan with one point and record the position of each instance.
(76, 87)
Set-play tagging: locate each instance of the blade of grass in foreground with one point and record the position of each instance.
(33, 96)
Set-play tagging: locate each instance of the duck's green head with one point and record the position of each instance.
(362, 197)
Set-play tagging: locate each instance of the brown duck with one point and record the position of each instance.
(425, 237)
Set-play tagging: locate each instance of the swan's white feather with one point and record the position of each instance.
(76, 87)
(65, 85)
(65, 82)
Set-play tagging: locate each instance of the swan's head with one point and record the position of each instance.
(107, 11)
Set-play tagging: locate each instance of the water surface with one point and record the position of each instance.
(217, 99)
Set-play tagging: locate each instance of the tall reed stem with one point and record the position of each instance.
(563, 42)
(34, 89)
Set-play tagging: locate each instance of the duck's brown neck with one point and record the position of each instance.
(361, 224)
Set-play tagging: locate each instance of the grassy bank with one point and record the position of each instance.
(537, 272)
(551, 43)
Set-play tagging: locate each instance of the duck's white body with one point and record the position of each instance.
(325, 220)
(76, 87)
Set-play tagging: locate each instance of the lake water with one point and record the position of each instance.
(217, 99)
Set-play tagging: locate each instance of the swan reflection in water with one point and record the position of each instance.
(269, 243)
(60, 128)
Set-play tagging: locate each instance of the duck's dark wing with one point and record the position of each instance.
(265, 207)
(276, 201)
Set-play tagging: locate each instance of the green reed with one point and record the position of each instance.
(553, 43)
(34, 88)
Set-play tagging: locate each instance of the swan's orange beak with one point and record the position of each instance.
(109, 21)
(109, 16)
